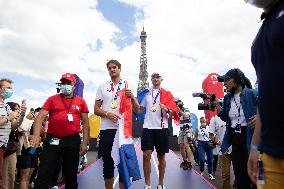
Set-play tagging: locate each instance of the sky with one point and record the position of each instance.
(186, 40)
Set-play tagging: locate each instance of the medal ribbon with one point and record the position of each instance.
(155, 99)
(117, 90)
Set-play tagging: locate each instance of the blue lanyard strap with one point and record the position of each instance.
(155, 99)
(118, 89)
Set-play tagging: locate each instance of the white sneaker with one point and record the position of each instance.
(211, 177)
(202, 173)
(147, 186)
(161, 187)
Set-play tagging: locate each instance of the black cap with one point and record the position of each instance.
(233, 73)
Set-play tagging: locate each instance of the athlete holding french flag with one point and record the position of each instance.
(156, 105)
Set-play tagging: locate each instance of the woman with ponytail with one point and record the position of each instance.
(238, 111)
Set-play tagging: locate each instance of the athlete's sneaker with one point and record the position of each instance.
(147, 186)
(161, 187)
(211, 177)
(202, 173)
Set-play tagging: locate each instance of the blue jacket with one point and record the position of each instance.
(128, 167)
(248, 98)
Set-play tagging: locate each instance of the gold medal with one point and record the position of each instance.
(113, 105)
(153, 108)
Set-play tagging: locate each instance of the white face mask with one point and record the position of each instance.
(260, 3)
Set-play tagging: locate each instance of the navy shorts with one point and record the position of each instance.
(26, 160)
(158, 138)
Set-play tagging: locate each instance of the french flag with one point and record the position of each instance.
(166, 98)
(123, 150)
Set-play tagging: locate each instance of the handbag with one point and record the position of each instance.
(13, 144)
(11, 148)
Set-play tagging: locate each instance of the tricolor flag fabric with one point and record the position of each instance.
(123, 150)
(166, 98)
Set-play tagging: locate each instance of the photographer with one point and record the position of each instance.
(238, 111)
(185, 136)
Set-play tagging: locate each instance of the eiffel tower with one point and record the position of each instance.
(143, 74)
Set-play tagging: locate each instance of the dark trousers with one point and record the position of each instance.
(105, 147)
(68, 149)
(240, 159)
(215, 163)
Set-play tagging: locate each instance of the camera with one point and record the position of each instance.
(208, 99)
(187, 131)
(58, 87)
(179, 104)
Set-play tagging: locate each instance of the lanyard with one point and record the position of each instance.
(239, 110)
(68, 108)
(155, 99)
(117, 89)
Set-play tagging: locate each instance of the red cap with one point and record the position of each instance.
(69, 77)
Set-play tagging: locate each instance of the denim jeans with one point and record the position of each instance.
(202, 149)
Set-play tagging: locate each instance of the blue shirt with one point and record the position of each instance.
(268, 60)
(248, 99)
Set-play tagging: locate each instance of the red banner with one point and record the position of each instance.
(211, 85)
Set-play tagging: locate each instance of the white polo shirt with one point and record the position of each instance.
(154, 120)
(107, 94)
(218, 128)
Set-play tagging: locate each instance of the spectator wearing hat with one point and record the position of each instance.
(239, 113)
(62, 139)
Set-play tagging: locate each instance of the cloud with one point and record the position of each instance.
(187, 40)
(45, 38)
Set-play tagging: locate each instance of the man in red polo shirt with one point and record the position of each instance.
(62, 141)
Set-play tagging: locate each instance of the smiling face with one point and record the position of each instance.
(156, 81)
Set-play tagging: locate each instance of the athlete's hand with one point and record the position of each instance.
(113, 117)
(163, 107)
(129, 93)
